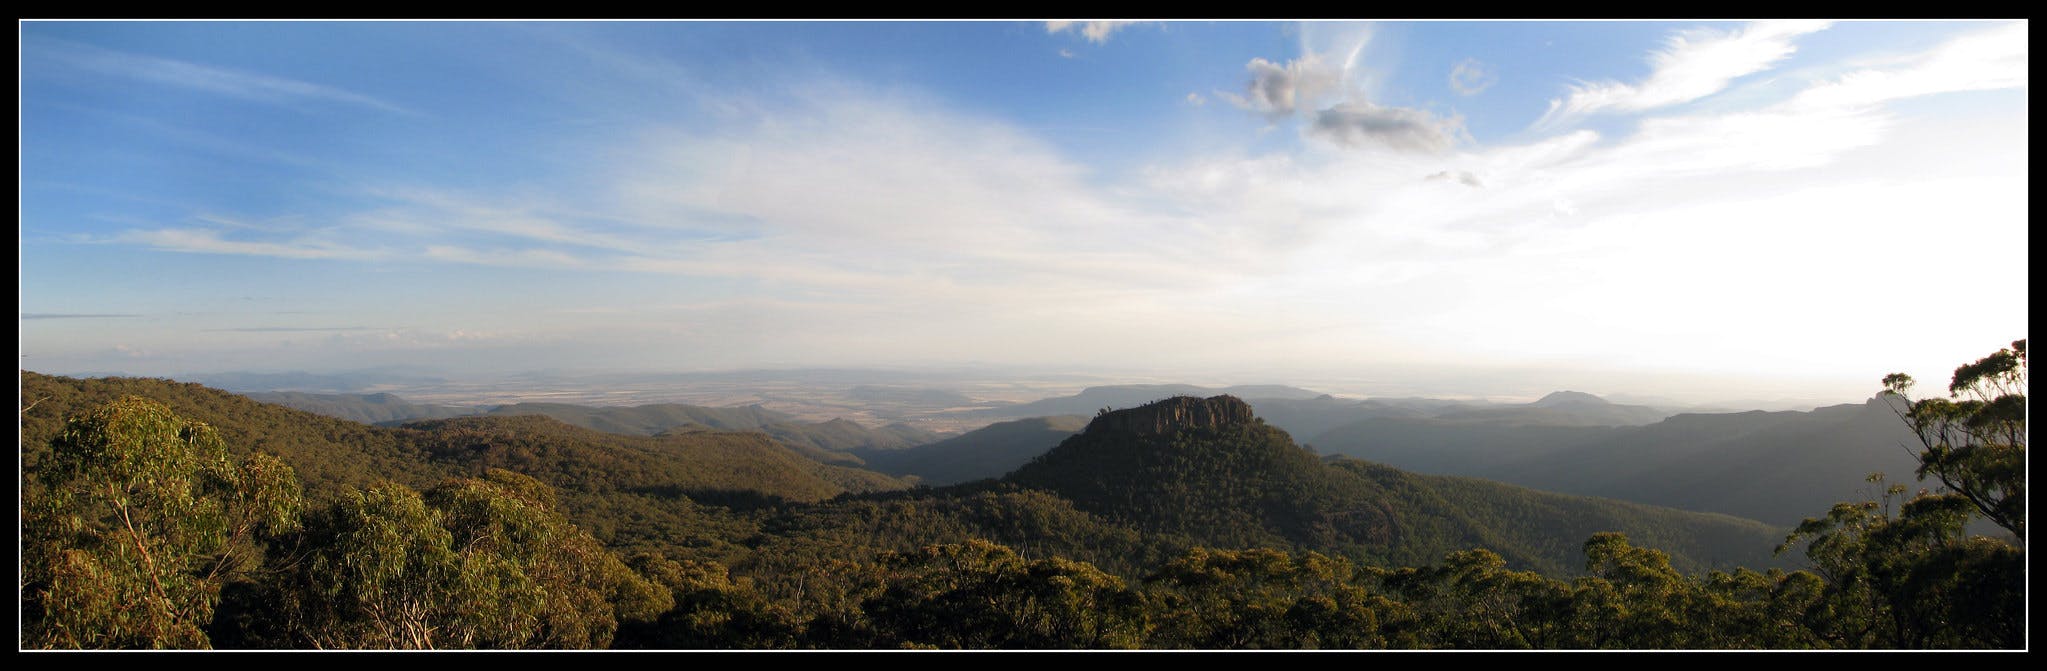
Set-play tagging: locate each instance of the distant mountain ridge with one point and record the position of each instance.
(338, 453)
(1211, 470)
(1567, 441)
(649, 419)
(631, 489)
(1779, 467)
(838, 435)
(1562, 408)
(1151, 480)
(1092, 399)
(378, 408)
(988, 452)
(1294, 410)
(349, 382)
(1565, 398)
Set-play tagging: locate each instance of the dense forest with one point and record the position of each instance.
(157, 514)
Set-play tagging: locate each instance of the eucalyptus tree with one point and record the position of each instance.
(137, 520)
(471, 563)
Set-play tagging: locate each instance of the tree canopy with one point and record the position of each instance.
(140, 519)
(1975, 440)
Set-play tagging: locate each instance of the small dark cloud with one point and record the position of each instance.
(1361, 124)
(56, 315)
(1276, 90)
(1462, 176)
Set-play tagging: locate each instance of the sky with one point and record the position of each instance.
(1692, 210)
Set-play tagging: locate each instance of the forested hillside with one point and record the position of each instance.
(625, 489)
(826, 440)
(1238, 482)
(1772, 466)
(988, 452)
(382, 409)
(161, 514)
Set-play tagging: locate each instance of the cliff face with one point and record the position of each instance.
(1173, 414)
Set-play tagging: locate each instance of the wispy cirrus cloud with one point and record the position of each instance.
(293, 329)
(844, 190)
(1692, 64)
(830, 218)
(215, 241)
(506, 219)
(1983, 60)
(67, 315)
(1638, 217)
(1097, 32)
(541, 258)
(209, 142)
(1471, 77)
(192, 76)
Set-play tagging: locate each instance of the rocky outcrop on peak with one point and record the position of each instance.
(1173, 414)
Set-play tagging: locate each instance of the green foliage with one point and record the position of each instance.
(1472, 601)
(329, 456)
(140, 520)
(380, 574)
(1248, 485)
(1264, 599)
(1106, 542)
(472, 563)
(1631, 600)
(1914, 579)
(813, 439)
(1975, 440)
(712, 610)
(635, 492)
(1539, 530)
(979, 595)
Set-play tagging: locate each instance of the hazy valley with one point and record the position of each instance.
(1774, 466)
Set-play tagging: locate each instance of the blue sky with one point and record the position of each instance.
(1696, 209)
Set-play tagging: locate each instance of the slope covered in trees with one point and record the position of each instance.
(329, 454)
(820, 439)
(380, 409)
(988, 452)
(1777, 467)
(1187, 524)
(1209, 470)
(625, 489)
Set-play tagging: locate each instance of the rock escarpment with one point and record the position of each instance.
(1173, 414)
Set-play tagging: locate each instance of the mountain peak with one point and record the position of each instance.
(1172, 414)
(1557, 398)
